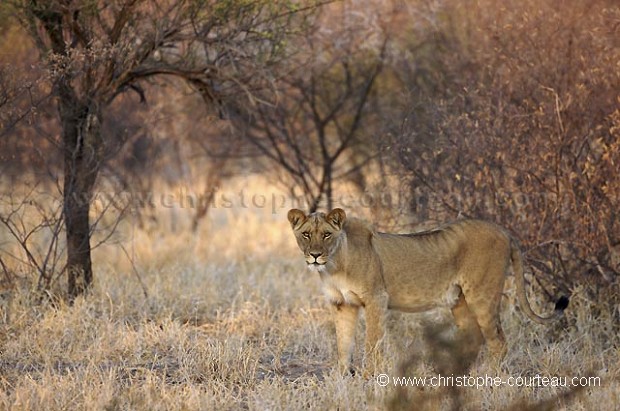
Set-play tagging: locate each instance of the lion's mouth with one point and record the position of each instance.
(317, 267)
(315, 263)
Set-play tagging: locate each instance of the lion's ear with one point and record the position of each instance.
(296, 217)
(336, 217)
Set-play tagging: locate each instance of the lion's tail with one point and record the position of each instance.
(517, 264)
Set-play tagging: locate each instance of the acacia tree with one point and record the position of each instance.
(314, 130)
(97, 50)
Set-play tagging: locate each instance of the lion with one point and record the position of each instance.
(461, 265)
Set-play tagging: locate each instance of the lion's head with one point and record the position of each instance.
(318, 234)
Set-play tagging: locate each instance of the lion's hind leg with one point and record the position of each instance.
(469, 333)
(465, 320)
(486, 312)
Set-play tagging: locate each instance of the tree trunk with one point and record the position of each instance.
(328, 190)
(82, 161)
(80, 117)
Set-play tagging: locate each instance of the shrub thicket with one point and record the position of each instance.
(512, 116)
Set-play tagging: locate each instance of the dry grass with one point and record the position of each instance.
(233, 321)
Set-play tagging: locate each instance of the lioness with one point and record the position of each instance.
(460, 265)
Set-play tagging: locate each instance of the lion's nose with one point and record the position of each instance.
(315, 255)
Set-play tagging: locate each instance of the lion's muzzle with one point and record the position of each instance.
(315, 259)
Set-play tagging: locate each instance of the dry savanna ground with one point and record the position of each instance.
(231, 319)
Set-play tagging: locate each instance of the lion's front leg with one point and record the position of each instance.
(345, 320)
(375, 311)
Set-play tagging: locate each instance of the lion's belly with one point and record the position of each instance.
(412, 301)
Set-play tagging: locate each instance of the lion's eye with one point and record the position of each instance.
(306, 235)
(327, 235)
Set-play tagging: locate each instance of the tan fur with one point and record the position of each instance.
(460, 265)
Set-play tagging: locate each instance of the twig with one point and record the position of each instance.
(135, 271)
